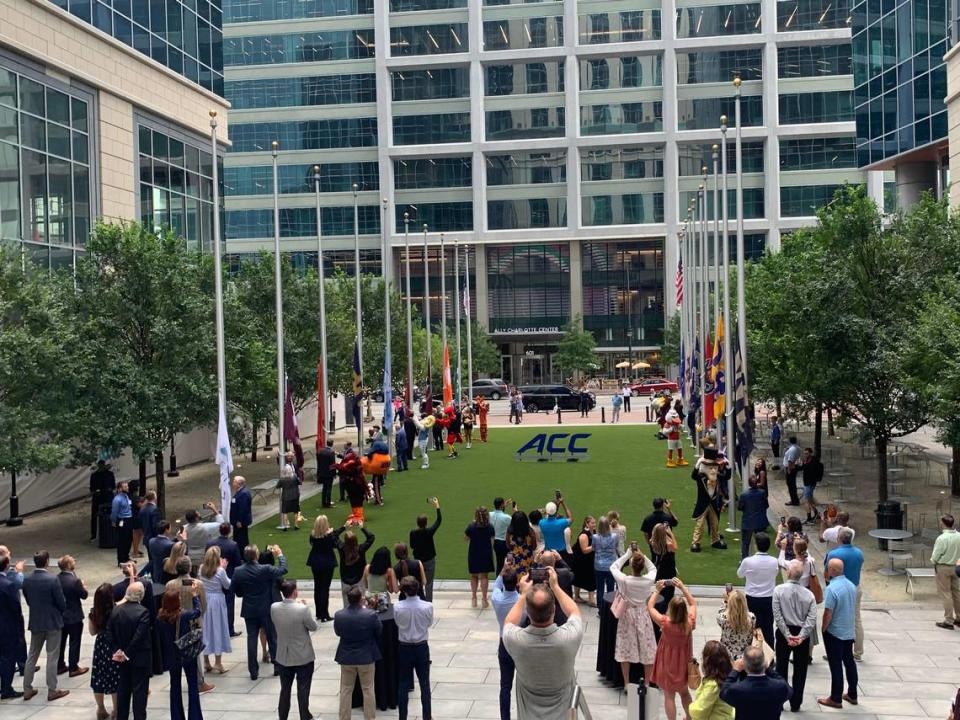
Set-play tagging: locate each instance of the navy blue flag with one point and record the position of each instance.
(742, 413)
(357, 385)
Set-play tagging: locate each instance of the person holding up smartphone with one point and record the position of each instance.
(554, 524)
(636, 642)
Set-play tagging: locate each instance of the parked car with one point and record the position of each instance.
(546, 397)
(652, 386)
(493, 388)
(398, 392)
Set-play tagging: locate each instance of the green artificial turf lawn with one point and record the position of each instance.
(625, 471)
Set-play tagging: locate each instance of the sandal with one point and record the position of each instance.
(219, 669)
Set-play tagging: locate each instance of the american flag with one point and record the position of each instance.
(678, 281)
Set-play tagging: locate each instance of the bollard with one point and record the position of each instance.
(648, 413)
(603, 414)
(559, 416)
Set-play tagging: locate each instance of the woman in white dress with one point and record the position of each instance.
(636, 642)
(216, 627)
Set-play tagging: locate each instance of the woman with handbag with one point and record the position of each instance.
(716, 665)
(182, 645)
(675, 671)
(635, 639)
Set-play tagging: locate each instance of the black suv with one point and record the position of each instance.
(546, 397)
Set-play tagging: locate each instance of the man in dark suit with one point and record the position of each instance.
(230, 552)
(359, 631)
(129, 571)
(44, 597)
(74, 591)
(760, 695)
(158, 550)
(149, 518)
(241, 512)
(128, 637)
(12, 650)
(326, 471)
(102, 485)
(410, 427)
(753, 504)
(254, 583)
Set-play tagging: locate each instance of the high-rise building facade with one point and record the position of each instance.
(103, 114)
(562, 140)
(900, 77)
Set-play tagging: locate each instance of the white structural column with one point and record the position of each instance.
(576, 281)
(673, 212)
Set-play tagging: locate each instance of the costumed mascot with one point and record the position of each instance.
(424, 425)
(672, 421)
(451, 420)
(351, 474)
(376, 463)
(483, 409)
(711, 474)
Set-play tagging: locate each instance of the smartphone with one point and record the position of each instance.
(729, 588)
(633, 546)
(783, 519)
(668, 583)
(557, 494)
(539, 575)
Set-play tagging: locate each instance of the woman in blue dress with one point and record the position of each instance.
(216, 624)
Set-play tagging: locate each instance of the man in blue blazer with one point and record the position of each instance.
(241, 512)
(158, 550)
(229, 551)
(74, 592)
(359, 631)
(254, 583)
(753, 506)
(44, 596)
(758, 696)
(149, 518)
(12, 650)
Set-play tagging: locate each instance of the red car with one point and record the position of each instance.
(651, 386)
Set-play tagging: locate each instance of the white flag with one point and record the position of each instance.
(225, 461)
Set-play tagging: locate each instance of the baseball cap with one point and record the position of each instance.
(551, 508)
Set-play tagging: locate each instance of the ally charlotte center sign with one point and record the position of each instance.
(541, 330)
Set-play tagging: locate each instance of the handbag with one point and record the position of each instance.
(816, 589)
(759, 642)
(619, 605)
(190, 645)
(694, 678)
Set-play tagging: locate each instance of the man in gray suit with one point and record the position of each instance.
(44, 596)
(293, 622)
(359, 630)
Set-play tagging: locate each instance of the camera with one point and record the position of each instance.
(539, 575)
(634, 546)
(557, 494)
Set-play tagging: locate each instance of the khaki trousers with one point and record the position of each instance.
(948, 586)
(858, 626)
(710, 517)
(348, 678)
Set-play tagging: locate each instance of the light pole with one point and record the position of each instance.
(741, 295)
(279, 305)
(357, 302)
(406, 249)
(426, 312)
(324, 387)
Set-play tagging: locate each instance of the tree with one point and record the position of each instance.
(670, 352)
(143, 306)
(32, 334)
(576, 351)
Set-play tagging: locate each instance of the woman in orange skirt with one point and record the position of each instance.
(676, 646)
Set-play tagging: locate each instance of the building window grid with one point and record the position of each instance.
(753, 199)
(818, 153)
(623, 209)
(304, 134)
(719, 66)
(424, 173)
(693, 157)
(704, 113)
(527, 168)
(629, 71)
(429, 39)
(616, 27)
(176, 187)
(815, 107)
(332, 45)
(431, 129)
(797, 15)
(439, 216)
(301, 222)
(814, 61)
(439, 83)
(523, 123)
(621, 163)
(241, 11)
(45, 175)
(302, 91)
(523, 33)
(632, 117)
(523, 78)
(718, 20)
(528, 285)
(805, 200)
(298, 179)
(186, 37)
(529, 213)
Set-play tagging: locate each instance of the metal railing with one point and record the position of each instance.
(579, 705)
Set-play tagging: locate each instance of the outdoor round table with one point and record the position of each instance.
(886, 534)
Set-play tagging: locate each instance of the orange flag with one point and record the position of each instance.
(447, 383)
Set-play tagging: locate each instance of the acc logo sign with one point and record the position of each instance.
(554, 447)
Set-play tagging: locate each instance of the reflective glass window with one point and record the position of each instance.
(441, 172)
(302, 222)
(795, 15)
(305, 134)
(629, 71)
(818, 153)
(523, 33)
(525, 123)
(803, 108)
(814, 61)
(299, 91)
(334, 177)
(299, 47)
(240, 11)
(805, 200)
(628, 209)
(522, 214)
(429, 39)
(439, 216)
(704, 113)
(692, 157)
(616, 27)
(523, 78)
(437, 83)
(719, 66)
(527, 168)
(621, 163)
(713, 20)
(431, 129)
(630, 117)
(528, 285)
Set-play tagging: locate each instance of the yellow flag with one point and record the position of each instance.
(718, 372)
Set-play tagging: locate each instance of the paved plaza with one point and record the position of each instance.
(910, 669)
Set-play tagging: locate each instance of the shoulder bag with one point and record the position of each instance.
(694, 677)
(816, 588)
(619, 605)
(190, 645)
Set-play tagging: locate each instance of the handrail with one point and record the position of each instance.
(578, 705)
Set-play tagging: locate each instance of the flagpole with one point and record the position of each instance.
(741, 295)
(279, 306)
(694, 295)
(406, 247)
(727, 357)
(426, 312)
(226, 463)
(323, 307)
(356, 285)
(466, 309)
(387, 365)
(456, 315)
(715, 268)
(702, 268)
(443, 294)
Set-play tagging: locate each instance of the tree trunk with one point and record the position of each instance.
(780, 408)
(253, 452)
(266, 440)
(955, 471)
(161, 484)
(829, 421)
(881, 445)
(142, 475)
(818, 429)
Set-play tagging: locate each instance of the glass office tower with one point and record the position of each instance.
(563, 139)
(900, 78)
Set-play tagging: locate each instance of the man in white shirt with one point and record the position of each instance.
(414, 618)
(760, 570)
(627, 394)
(791, 466)
(830, 528)
(504, 598)
(543, 652)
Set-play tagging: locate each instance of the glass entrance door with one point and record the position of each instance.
(531, 370)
